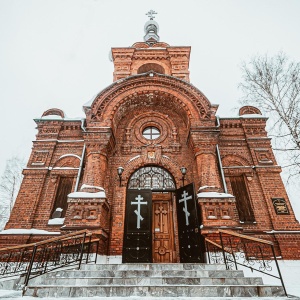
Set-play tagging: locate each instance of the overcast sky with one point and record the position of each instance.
(54, 53)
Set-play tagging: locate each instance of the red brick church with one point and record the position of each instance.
(152, 170)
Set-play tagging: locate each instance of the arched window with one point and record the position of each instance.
(151, 177)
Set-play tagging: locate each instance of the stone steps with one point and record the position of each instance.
(150, 281)
(145, 274)
(154, 267)
(155, 290)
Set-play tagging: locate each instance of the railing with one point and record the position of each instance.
(234, 249)
(32, 260)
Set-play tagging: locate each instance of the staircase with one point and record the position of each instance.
(183, 281)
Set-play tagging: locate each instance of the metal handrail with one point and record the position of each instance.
(32, 260)
(235, 249)
(65, 236)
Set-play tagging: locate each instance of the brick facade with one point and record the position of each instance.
(151, 88)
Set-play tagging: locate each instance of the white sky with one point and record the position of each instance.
(54, 53)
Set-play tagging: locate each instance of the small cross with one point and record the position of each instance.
(161, 210)
(151, 14)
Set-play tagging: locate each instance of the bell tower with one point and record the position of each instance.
(151, 55)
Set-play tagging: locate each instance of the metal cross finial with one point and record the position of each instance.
(151, 14)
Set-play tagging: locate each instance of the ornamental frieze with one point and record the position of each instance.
(175, 85)
(147, 100)
(47, 130)
(255, 131)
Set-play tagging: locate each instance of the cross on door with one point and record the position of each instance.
(139, 198)
(161, 211)
(185, 199)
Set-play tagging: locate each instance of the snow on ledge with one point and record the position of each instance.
(86, 186)
(101, 194)
(205, 187)
(214, 195)
(87, 195)
(29, 231)
(56, 221)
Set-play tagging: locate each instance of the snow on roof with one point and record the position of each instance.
(90, 102)
(56, 117)
(29, 231)
(214, 195)
(246, 116)
(253, 116)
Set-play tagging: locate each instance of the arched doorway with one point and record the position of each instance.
(150, 215)
(149, 221)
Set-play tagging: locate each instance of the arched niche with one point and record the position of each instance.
(151, 67)
(68, 161)
(235, 160)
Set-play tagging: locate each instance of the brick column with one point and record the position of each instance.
(96, 166)
(208, 170)
(203, 142)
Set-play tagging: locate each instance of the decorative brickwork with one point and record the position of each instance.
(151, 89)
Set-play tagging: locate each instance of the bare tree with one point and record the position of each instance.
(273, 85)
(9, 187)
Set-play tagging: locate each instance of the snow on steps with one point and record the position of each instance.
(150, 281)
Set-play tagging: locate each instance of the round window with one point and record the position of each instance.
(151, 133)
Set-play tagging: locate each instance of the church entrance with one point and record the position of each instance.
(151, 220)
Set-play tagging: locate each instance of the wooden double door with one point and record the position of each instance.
(149, 228)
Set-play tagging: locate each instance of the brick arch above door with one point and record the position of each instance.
(158, 160)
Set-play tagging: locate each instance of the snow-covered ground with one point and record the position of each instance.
(290, 270)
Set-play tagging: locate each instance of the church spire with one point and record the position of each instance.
(151, 29)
